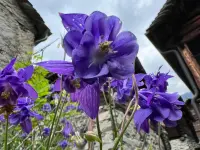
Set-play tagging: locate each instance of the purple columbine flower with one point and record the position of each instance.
(70, 107)
(158, 107)
(46, 131)
(23, 116)
(63, 120)
(13, 86)
(124, 88)
(63, 144)
(68, 130)
(46, 107)
(157, 82)
(97, 48)
(98, 51)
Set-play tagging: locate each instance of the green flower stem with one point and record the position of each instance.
(145, 139)
(159, 130)
(99, 132)
(111, 113)
(129, 105)
(6, 134)
(118, 139)
(33, 140)
(58, 119)
(54, 120)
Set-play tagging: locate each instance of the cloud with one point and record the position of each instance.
(136, 16)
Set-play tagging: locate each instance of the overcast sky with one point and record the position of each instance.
(136, 16)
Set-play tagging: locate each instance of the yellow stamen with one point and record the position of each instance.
(76, 84)
(5, 95)
(105, 46)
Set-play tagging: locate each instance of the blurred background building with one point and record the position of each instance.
(21, 28)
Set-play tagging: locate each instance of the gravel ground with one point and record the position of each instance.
(188, 144)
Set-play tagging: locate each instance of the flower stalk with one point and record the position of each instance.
(118, 139)
(99, 132)
(6, 133)
(58, 119)
(54, 119)
(108, 101)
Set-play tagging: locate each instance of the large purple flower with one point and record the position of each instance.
(96, 46)
(22, 116)
(158, 107)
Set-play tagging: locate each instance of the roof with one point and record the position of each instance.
(42, 31)
(176, 23)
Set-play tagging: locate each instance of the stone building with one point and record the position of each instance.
(21, 27)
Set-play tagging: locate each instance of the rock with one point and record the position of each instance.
(131, 140)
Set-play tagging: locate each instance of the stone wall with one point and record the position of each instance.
(131, 140)
(16, 32)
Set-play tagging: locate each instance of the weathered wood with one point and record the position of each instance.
(191, 63)
(16, 32)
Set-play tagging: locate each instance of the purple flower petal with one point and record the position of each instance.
(84, 67)
(104, 71)
(169, 123)
(68, 85)
(26, 125)
(71, 41)
(139, 77)
(63, 144)
(121, 67)
(57, 86)
(73, 21)
(58, 66)
(68, 129)
(46, 131)
(36, 115)
(75, 96)
(104, 29)
(88, 41)
(145, 126)
(164, 112)
(14, 119)
(8, 70)
(25, 73)
(31, 91)
(24, 101)
(89, 99)
(169, 97)
(92, 24)
(125, 44)
(140, 116)
(46, 107)
(175, 115)
(115, 26)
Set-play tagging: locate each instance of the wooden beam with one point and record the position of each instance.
(191, 63)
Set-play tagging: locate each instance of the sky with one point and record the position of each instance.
(136, 16)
